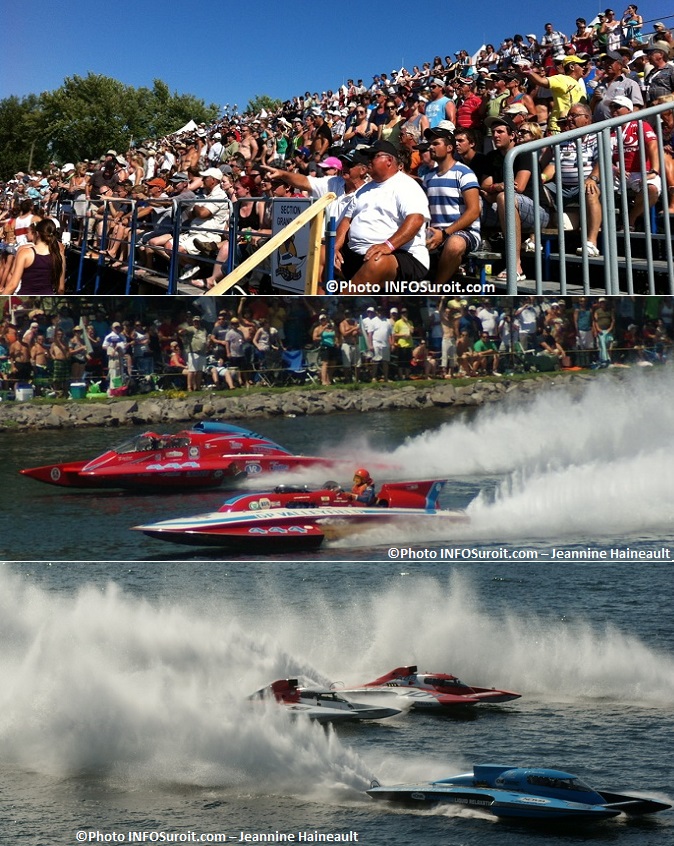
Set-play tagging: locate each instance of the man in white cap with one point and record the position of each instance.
(215, 150)
(619, 107)
(207, 220)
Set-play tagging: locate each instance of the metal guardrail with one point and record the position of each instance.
(313, 216)
(614, 205)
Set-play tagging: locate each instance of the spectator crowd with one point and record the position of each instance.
(445, 127)
(257, 342)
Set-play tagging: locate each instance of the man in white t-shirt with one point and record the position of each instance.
(382, 335)
(386, 226)
(526, 322)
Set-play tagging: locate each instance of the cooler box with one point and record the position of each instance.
(24, 392)
(78, 390)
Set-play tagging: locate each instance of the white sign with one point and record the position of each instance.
(289, 262)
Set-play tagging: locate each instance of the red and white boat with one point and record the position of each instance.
(324, 706)
(208, 455)
(295, 518)
(431, 690)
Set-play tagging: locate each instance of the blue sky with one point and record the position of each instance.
(230, 52)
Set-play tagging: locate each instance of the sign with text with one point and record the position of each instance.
(289, 263)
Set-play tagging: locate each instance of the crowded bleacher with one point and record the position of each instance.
(462, 110)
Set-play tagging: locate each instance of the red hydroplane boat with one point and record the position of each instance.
(206, 456)
(431, 690)
(292, 518)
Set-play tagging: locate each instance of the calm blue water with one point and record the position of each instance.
(124, 668)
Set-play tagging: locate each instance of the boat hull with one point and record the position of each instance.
(287, 528)
(334, 715)
(522, 793)
(438, 690)
(499, 803)
(210, 455)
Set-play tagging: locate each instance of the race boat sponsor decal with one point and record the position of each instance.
(174, 465)
(533, 800)
(253, 469)
(263, 503)
(420, 796)
(55, 474)
(193, 452)
(280, 530)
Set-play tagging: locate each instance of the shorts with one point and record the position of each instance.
(381, 352)
(634, 183)
(155, 233)
(409, 268)
(195, 362)
(350, 355)
(471, 238)
(525, 207)
(570, 193)
(186, 241)
(329, 355)
(404, 356)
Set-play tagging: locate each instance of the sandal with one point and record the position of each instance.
(202, 284)
(503, 276)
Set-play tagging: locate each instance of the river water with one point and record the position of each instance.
(125, 662)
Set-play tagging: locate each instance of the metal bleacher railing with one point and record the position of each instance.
(614, 271)
(166, 274)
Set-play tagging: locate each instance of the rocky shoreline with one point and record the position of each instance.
(187, 408)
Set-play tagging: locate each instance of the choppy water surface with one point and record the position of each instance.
(125, 668)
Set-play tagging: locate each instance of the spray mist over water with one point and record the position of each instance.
(611, 421)
(101, 682)
(570, 468)
(534, 656)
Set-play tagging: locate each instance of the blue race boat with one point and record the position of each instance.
(520, 793)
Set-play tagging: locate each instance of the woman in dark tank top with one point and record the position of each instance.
(39, 269)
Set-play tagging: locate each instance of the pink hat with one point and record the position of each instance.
(331, 161)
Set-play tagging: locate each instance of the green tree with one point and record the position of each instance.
(22, 143)
(88, 115)
(262, 101)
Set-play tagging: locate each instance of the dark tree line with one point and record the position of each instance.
(85, 117)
